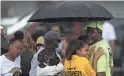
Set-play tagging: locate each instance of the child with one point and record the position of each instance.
(10, 62)
(76, 63)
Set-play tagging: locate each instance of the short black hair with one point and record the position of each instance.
(72, 48)
(19, 34)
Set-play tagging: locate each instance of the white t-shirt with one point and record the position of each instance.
(108, 32)
(9, 68)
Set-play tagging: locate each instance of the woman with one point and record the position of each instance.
(76, 63)
(10, 61)
(29, 50)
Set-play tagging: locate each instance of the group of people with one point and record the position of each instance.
(53, 55)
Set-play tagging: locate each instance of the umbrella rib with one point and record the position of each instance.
(88, 9)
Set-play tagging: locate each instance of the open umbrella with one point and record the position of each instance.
(71, 11)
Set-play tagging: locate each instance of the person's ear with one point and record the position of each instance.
(10, 46)
(78, 52)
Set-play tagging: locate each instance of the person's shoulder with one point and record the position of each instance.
(2, 58)
(101, 43)
(105, 43)
(105, 46)
(83, 60)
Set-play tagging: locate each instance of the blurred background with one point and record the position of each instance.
(15, 14)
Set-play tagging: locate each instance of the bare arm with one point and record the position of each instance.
(94, 65)
(101, 74)
(112, 44)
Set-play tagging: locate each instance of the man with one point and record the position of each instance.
(51, 38)
(109, 34)
(105, 62)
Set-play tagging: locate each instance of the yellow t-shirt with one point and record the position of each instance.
(78, 66)
(105, 62)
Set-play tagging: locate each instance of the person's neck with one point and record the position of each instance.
(99, 39)
(10, 57)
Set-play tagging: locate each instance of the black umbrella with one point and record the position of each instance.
(71, 11)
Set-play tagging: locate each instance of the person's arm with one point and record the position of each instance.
(101, 66)
(94, 65)
(34, 64)
(112, 37)
(101, 74)
(0, 66)
(95, 68)
(112, 44)
(96, 56)
(64, 46)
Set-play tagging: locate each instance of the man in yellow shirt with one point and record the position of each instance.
(105, 62)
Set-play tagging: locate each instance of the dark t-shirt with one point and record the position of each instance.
(26, 58)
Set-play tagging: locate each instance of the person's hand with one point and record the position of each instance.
(91, 50)
(98, 53)
(61, 61)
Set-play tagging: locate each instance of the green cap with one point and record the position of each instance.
(95, 25)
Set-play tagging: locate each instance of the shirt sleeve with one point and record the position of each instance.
(101, 64)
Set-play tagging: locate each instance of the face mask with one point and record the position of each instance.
(59, 47)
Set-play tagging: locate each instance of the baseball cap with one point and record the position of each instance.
(53, 35)
(95, 25)
(40, 40)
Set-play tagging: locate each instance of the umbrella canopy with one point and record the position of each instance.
(71, 11)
